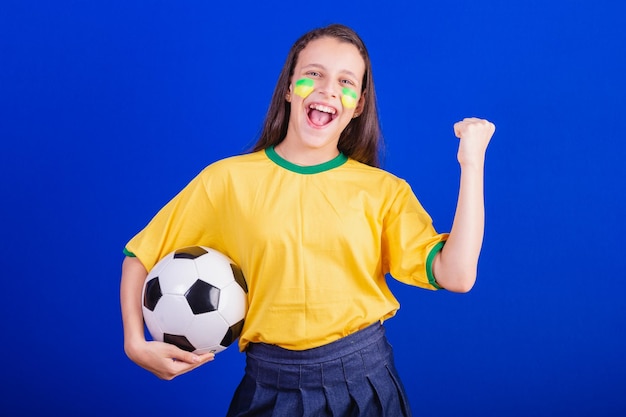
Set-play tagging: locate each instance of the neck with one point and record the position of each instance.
(306, 157)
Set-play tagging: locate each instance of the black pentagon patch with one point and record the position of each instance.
(232, 334)
(239, 277)
(202, 297)
(152, 294)
(180, 341)
(192, 252)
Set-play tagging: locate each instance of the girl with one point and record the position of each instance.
(314, 225)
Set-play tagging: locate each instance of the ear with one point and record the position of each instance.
(288, 95)
(360, 105)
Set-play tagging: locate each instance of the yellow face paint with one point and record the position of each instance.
(348, 98)
(304, 87)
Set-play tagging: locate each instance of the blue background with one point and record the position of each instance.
(107, 109)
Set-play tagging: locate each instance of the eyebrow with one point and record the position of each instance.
(320, 66)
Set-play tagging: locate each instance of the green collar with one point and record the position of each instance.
(299, 169)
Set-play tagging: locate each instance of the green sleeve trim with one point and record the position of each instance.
(429, 264)
(129, 253)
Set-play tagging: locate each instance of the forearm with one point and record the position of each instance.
(162, 359)
(133, 277)
(456, 266)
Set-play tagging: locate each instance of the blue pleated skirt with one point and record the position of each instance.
(352, 377)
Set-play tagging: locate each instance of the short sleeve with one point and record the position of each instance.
(186, 220)
(410, 242)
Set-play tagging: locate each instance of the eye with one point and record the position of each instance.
(313, 74)
(348, 82)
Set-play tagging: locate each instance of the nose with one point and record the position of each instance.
(329, 88)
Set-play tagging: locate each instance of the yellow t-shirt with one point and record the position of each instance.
(314, 243)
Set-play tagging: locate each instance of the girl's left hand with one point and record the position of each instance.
(475, 135)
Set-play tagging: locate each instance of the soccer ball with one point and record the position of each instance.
(195, 298)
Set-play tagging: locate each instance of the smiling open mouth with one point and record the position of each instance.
(321, 115)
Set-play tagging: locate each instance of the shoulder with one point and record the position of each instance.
(236, 163)
(378, 176)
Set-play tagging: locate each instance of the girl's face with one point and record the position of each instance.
(325, 94)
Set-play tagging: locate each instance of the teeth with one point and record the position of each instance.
(321, 107)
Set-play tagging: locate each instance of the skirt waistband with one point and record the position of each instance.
(354, 375)
(339, 348)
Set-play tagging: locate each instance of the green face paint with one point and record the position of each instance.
(348, 98)
(304, 87)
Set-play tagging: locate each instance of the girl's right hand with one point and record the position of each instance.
(165, 360)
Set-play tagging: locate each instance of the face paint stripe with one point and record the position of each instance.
(348, 98)
(304, 87)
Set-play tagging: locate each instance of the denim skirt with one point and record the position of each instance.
(352, 377)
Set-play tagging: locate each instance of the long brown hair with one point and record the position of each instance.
(362, 138)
